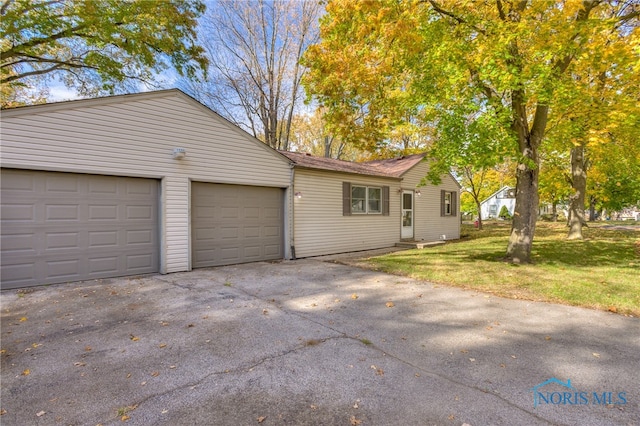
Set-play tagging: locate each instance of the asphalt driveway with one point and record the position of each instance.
(309, 342)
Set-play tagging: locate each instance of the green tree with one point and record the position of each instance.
(504, 65)
(554, 185)
(96, 46)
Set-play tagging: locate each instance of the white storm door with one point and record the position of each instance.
(407, 215)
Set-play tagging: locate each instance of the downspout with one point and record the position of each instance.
(292, 238)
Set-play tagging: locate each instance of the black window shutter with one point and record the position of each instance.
(385, 201)
(442, 211)
(346, 198)
(454, 203)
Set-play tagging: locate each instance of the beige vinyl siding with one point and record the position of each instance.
(319, 226)
(429, 225)
(134, 136)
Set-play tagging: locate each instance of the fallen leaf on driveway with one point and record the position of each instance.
(26, 372)
(3, 412)
(390, 304)
(23, 319)
(379, 371)
(40, 413)
(134, 338)
(547, 337)
(354, 421)
(354, 296)
(597, 355)
(261, 419)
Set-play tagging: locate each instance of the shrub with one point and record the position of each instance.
(504, 213)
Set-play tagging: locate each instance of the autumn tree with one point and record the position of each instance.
(96, 46)
(504, 62)
(254, 50)
(554, 185)
(308, 134)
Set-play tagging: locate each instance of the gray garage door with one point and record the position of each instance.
(60, 227)
(236, 224)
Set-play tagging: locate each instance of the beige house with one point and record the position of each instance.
(158, 183)
(133, 184)
(341, 206)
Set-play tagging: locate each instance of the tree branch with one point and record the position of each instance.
(57, 66)
(456, 18)
(18, 49)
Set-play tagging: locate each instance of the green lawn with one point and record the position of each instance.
(601, 272)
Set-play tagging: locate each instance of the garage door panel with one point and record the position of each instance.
(63, 183)
(103, 265)
(62, 212)
(227, 233)
(80, 227)
(17, 212)
(231, 224)
(102, 212)
(103, 238)
(103, 187)
(62, 240)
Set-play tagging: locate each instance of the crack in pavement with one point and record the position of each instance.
(396, 357)
(340, 335)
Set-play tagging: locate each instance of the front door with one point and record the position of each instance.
(407, 215)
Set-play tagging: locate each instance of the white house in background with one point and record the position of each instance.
(505, 196)
(158, 183)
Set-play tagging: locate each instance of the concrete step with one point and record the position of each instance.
(418, 244)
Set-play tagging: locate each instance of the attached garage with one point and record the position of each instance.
(59, 227)
(113, 186)
(236, 224)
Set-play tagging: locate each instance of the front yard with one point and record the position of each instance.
(600, 272)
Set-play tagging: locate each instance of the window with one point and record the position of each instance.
(374, 196)
(360, 199)
(367, 200)
(448, 203)
(493, 210)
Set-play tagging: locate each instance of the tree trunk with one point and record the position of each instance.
(524, 215)
(327, 147)
(479, 213)
(592, 209)
(554, 211)
(576, 200)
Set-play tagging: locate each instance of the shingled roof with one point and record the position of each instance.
(393, 168)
